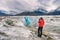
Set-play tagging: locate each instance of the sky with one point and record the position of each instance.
(18, 6)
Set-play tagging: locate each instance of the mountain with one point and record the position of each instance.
(37, 12)
(55, 12)
(3, 13)
(34, 13)
(40, 12)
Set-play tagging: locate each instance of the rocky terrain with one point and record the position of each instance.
(14, 28)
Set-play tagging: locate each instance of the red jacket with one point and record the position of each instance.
(41, 23)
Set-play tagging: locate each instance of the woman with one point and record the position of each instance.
(40, 26)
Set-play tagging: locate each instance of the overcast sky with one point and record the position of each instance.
(18, 6)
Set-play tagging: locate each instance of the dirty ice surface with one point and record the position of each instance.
(19, 31)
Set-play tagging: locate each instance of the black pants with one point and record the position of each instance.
(40, 32)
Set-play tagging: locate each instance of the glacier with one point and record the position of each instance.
(19, 31)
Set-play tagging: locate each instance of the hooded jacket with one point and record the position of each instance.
(41, 23)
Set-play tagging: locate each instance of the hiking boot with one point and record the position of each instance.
(39, 36)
